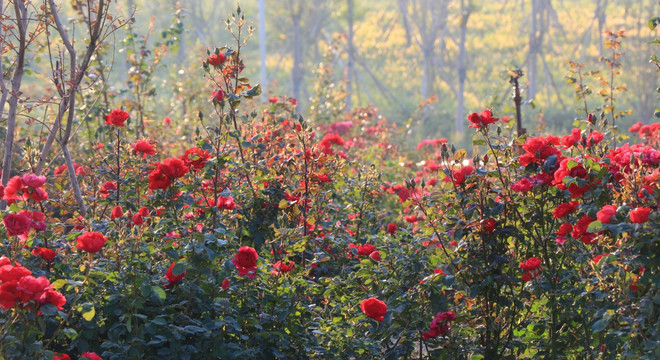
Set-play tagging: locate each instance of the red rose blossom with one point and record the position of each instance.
(144, 147)
(374, 308)
(116, 117)
(606, 214)
(17, 224)
(44, 253)
(391, 228)
(91, 356)
(640, 215)
(246, 261)
(91, 242)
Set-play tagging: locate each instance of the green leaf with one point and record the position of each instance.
(48, 309)
(599, 325)
(89, 315)
(160, 292)
(178, 269)
(595, 227)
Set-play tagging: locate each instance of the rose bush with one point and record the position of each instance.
(272, 236)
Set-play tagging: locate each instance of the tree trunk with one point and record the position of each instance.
(462, 70)
(262, 49)
(350, 67)
(533, 51)
(21, 19)
(297, 74)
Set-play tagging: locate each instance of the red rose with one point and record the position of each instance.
(31, 288)
(218, 96)
(61, 357)
(53, 297)
(196, 158)
(375, 256)
(167, 120)
(440, 325)
(374, 308)
(91, 242)
(365, 249)
(246, 261)
(144, 147)
(33, 181)
(283, 267)
(173, 168)
(91, 356)
(225, 284)
(606, 214)
(461, 174)
(116, 117)
(45, 253)
(8, 295)
(640, 215)
(216, 59)
(117, 212)
(564, 229)
(488, 225)
(107, 187)
(169, 275)
(391, 228)
(531, 268)
(565, 209)
(158, 179)
(481, 120)
(138, 219)
(522, 186)
(273, 99)
(17, 224)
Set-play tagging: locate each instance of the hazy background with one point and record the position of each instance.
(401, 52)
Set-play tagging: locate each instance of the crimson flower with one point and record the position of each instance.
(116, 117)
(374, 308)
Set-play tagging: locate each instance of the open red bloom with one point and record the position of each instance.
(246, 261)
(225, 284)
(391, 228)
(216, 59)
(481, 120)
(44, 253)
(374, 308)
(61, 357)
(17, 224)
(440, 325)
(284, 267)
(116, 117)
(375, 256)
(365, 249)
(107, 187)
(91, 356)
(531, 268)
(522, 186)
(564, 209)
(144, 147)
(91, 242)
(640, 215)
(117, 212)
(606, 214)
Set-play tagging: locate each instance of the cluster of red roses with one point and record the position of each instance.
(20, 223)
(367, 250)
(17, 285)
(531, 268)
(85, 355)
(23, 188)
(440, 325)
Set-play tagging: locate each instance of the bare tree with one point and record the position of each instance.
(21, 17)
(350, 67)
(297, 72)
(262, 48)
(462, 67)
